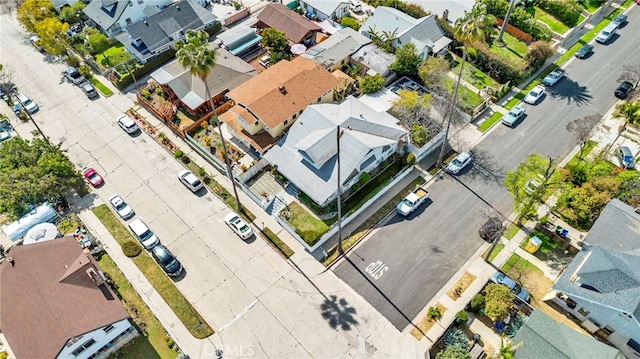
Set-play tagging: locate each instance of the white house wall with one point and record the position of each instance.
(101, 338)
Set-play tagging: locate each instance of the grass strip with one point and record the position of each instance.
(275, 241)
(511, 231)
(102, 88)
(495, 252)
(488, 123)
(156, 276)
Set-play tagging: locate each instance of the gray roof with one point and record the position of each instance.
(105, 16)
(306, 155)
(617, 228)
(327, 7)
(610, 278)
(341, 44)
(229, 72)
(543, 337)
(156, 31)
(390, 20)
(375, 58)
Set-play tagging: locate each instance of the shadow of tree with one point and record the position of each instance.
(489, 169)
(338, 313)
(571, 91)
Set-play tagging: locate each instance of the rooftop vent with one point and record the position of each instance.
(282, 89)
(95, 277)
(146, 23)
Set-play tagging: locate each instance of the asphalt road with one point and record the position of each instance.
(407, 261)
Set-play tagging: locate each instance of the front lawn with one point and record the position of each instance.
(529, 276)
(307, 226)
(514, 51)
(554, 24)
(113, 56)
(488, 123)
(467, 99)
(549, 248)
(474, 76)
(100, 87)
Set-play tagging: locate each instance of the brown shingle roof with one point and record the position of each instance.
(47, 297)
(261, 141)
(281, 18)
(304, 82)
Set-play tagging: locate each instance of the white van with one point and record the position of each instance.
(355, 6)
(605, 35)
(143, 233)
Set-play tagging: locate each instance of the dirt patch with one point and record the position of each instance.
(426, 324)
(530, 277)
(461, 285)
(560, 318)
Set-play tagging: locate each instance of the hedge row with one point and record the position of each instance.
(519, 18)
(567, 11)
(410, 9)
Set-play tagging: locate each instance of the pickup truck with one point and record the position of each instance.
(412, 201)
(555, 76)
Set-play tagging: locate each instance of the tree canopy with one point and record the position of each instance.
(529, 182)
(433, 72)
(499, 300)
(407, 60)
(194, 54)
(33, 11)
(454, 352)
(53, 35)
(371, 84)
(31, 173)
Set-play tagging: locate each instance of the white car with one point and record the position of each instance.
(190, 180)
(534, 95)
(127, 124)
(238, 225)
(29, 105)
(122, 208)
(457, 164)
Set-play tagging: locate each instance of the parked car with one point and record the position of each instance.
(166, 260)
(88, 89)
(607, 33)
(143, 234)
(35, 41)
(584, 51)
(534, 95)
(121, 207)
(72, 74)
(93, 177)
(513, 116)
(516, 288)
(238, 225)
(459, 162)
(625, 156)
(619, 20)
(28, 105)
(623, 90)
(127, 124)
(489, 230)
(190, 180)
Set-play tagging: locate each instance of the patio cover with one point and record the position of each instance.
(43, 213)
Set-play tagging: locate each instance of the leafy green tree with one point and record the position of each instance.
(454, 352)
(433, 72)
(507, 349)
(630, 111)
(538, 53)
(274, 40)
(195, 54)
(371, 84)
(32, 172)
(31, 12)
(348, 21)
(529, 182)
(418, 135)
(98, 42)
(407, 60)
(72, 14)
(498, 301)
(53, 35)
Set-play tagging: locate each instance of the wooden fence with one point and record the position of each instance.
(517, 33)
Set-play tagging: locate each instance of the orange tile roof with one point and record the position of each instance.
(304, 82)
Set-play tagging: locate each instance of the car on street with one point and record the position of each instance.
(144, 235)
(35, 41)
(534, 95)
(238, 225)
(121, 207)
(584, 51)
(625, 156)
(165, 259)
(619, 20)
(93, 177)
(190, 180)
(73, 76)
(513, 116)
(623, 90)
(459, 162)
(88, 89)
(490, 229)
(127, 124)
(27, 103)
(501, 278)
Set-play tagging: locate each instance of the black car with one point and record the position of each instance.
(623, 90)
(166, 260)
(490, 229)
(584, 51)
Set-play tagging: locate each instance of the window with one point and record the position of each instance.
(108, 328)
(83, 347)
(583, 311)
(634, 345)
(608, 330)
(286, 122)
(255, 123)
(128, 21)
(319, 98)
(295, 115)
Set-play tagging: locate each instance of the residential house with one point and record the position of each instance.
(601, 285)
(188, 91)
(268, 104)
(401, 28)
(374, 60)
(296, 28)
(55, 303)
(240, 39)
(543, 337)
(159, 32)
(113, 16)
(335, 52)
(307, 154)
(325, 9)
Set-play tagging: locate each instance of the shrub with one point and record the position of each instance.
(85, 70)
(371, 84)
(178, 153)
(567, 11)
(73, 61)
(477, 302)
(207, 140)
(185, 159)
(455, 336)
(409, 159)
(145, 93)
(418, 135)
(538, 53)
(131, 249)
(462, 317)
(201, 172)
(98, 43)
(434, 313)
(364, 178)
(158, 91)
(348, 21)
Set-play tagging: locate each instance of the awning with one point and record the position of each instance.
(247, 45)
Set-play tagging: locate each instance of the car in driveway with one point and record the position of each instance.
(238, 226)
(619, 20)
(190, 180)
(501, 278)
(88, 89)
(458, 163)
(584, 51)
(490, 229)
(121, 207)
(73, 76)
(534, 95)
(513, 116)
(93, 177)
(165, 259)
(623, 90)
(625, 156)
(127, 124)
(28, 104)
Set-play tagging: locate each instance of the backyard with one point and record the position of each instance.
(514, 51)
(529, 276)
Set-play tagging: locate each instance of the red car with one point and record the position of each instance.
(93, 177)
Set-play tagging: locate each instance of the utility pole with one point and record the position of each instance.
(32, 120)
(494, 242)
(339, 132)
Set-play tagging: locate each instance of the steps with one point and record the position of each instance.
(276, 206)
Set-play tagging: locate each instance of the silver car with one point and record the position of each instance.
(127, 124)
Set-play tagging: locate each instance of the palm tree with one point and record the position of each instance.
(505, 22)
(630, 111)
(468, 29)
(195, 54)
